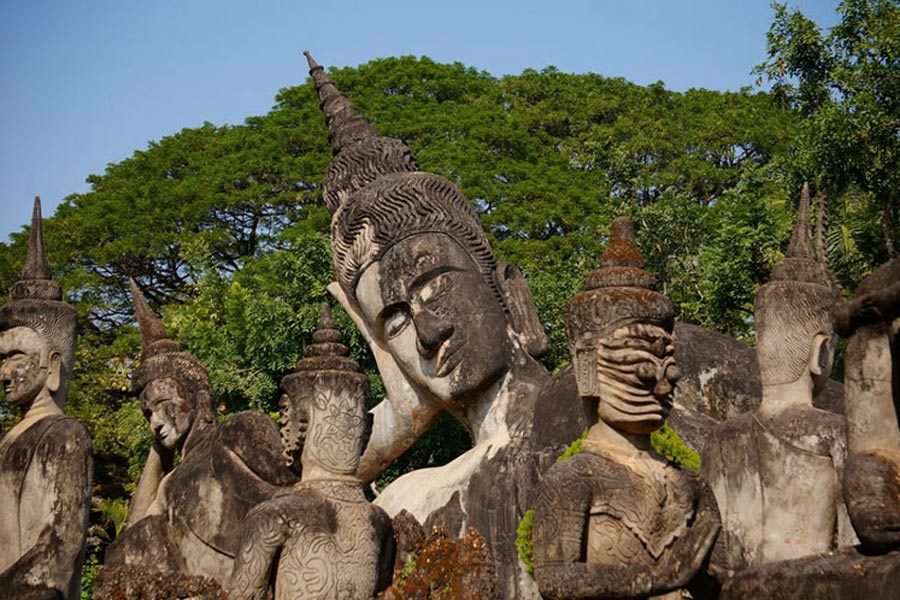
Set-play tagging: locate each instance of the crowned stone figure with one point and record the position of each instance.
(322, 539)
(616, 520)
(776, 471)
(451, 331)
(185, 518)
(45, 459)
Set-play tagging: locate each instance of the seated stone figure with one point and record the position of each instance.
(776, 471)
(872, 384)
(322, 539)
(45, 459)
(616, 520)
(451, 330)
(186, 518)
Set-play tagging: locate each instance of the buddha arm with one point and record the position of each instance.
(262, 536)
(148, 487)
(55, 501)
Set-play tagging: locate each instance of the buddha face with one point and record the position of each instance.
(167, 410)
(635, 376)
(427, 302)
(26, 361)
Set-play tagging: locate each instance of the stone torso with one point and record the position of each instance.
(777, 482)
(335, 557)
(45, 475)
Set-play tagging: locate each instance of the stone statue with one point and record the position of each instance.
(776, 471)
(45, 459)
(322, 539)
(186, 518)
(451, 330)
(616, 520)
(872, 383)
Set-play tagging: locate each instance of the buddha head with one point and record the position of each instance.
(324, 416)
(413, 261)
(620, 337)
(173, 386)
(37, 330)
(794, 331)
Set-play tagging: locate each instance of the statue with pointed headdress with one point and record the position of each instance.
(185, 518)
(451, 330)
(776, 471)
(322, 539)
(616, 520)
(45, 459)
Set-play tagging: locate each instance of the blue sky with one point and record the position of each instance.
(86, 83)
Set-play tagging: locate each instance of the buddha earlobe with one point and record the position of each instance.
(523, 316)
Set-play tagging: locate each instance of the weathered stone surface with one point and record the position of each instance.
(847, 575)
(321, 539)
(136, 583)
(872, 375)
(187, 517)
(438, 566)
(45, 459)
(451, 330)
(776, 470)
(616, 520)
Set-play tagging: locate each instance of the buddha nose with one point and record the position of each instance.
(431, 331)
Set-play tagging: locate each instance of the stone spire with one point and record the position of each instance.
(361, 155)
(154, 338)
(802, 262)
(346, 126)
(327, 352)
(36, 282)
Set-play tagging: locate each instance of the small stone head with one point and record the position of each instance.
(323, 410)
(173, 386)
(794, 331)
(37, 330)
(411, 256)
(620, 336)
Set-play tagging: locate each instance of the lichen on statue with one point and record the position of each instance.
(45, 459)
(616, 520)
(321, 539)
(451, 330)
(776, 471)
(185, 518)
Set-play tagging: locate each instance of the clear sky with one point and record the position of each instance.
(87, 82)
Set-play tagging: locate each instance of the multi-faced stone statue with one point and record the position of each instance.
(45, 459)
(872, 382)
(322, 539)
(776, 471)
(451, 330)
(616, 520)
(186, 518)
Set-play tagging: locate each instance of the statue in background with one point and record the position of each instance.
(872, 383)
(186, 518)
(451, 331)
(616, 520)
(45, 459)
(322, 539)
(776, 471)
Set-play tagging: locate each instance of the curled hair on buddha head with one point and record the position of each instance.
(796, 305)
(35, 302)
(161, 358)
(378, 196)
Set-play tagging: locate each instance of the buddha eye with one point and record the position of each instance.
(395, 321)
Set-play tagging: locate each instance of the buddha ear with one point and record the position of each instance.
(335, 289)
(203, 406)
(54, 373)
(820, 355)
(523, 314)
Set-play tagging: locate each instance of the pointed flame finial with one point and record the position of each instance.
(154, 337)
(800, 245)
(36, 265)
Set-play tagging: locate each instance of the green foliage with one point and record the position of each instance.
(115, 512)
(845, 82)
(524, 540)
(89, 571)
(666, 442)
(573, 448)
